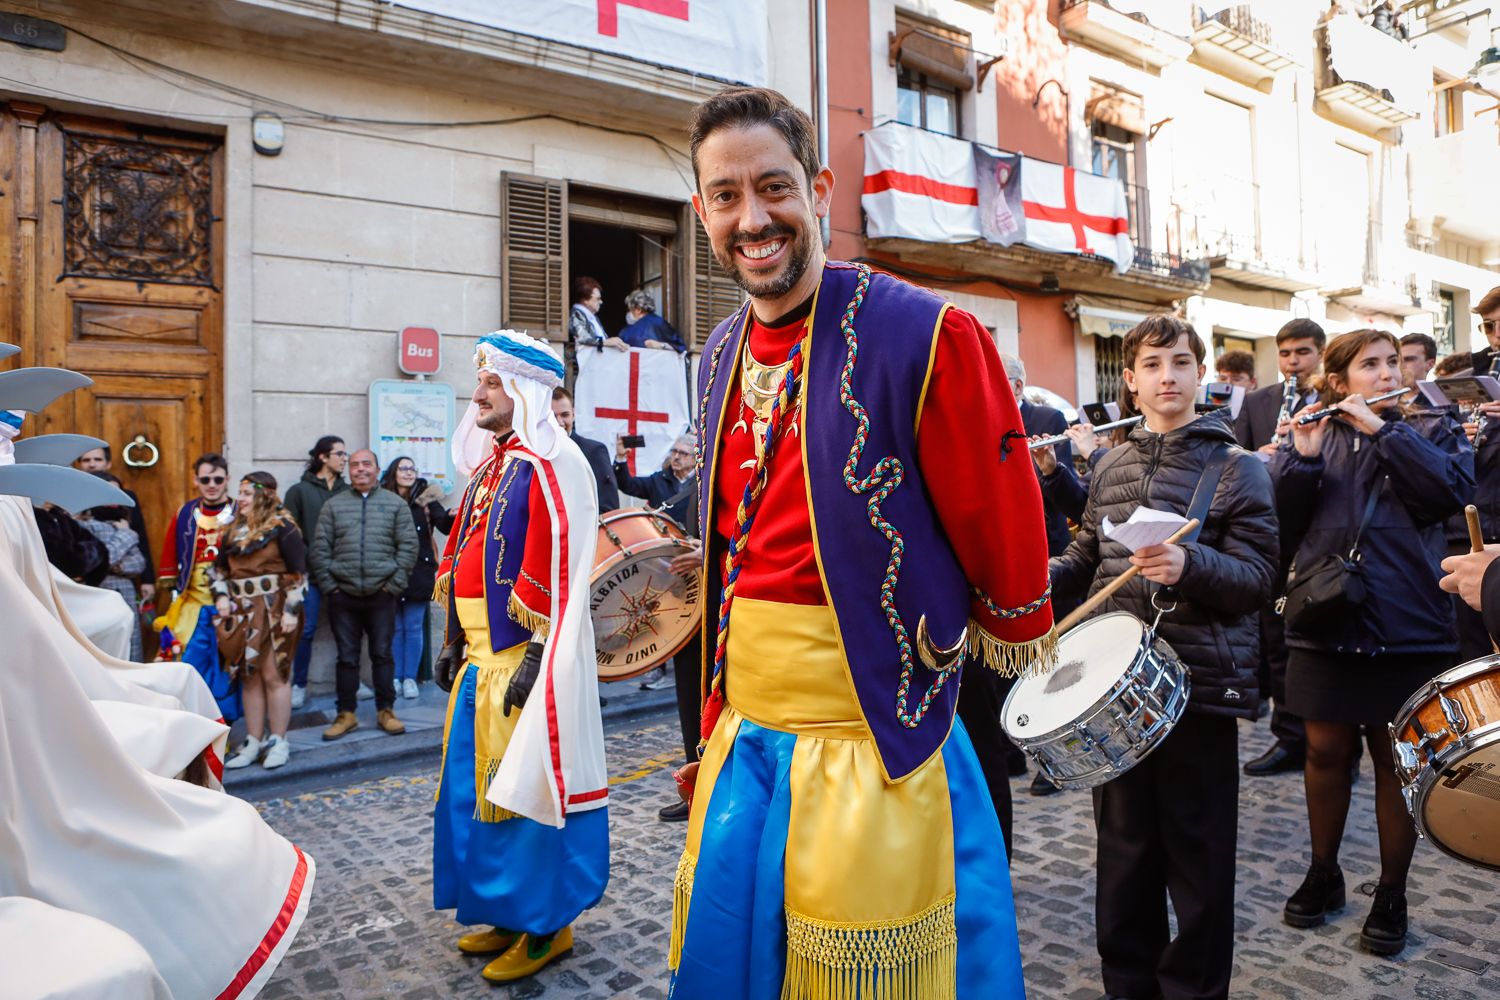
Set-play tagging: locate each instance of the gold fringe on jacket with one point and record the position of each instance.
(682, 894)
(441, 586)
(523, 616)
(915, 958)
(1033, 658)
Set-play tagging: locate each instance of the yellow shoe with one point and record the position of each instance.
(519, 962)
(490, 942)
(344, 723)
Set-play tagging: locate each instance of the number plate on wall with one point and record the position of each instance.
(33, 33)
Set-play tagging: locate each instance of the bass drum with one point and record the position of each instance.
(642, 611)
(1116, 693)
(1447, 748)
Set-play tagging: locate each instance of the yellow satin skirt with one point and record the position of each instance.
(492, 725)
(806, 874)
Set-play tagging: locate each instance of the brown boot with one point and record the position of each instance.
(387, 721)
(345, 722)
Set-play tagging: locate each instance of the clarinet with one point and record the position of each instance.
(1288, 403)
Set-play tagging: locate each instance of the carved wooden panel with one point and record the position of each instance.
(136, 323)
(139, 211)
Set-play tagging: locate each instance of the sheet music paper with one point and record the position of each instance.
(1146, 527)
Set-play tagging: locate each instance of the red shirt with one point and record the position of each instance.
(990, 509)
(464, 555)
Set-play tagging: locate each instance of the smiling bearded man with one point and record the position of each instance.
(842, 842)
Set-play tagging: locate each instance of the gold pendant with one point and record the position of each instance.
(759, 386)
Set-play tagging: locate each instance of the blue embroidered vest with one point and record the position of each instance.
(504, 546)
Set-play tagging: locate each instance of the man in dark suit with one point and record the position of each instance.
(595, 451)
(1299, 352)
(1037, 419)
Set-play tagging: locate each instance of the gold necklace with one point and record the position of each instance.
(759, 386)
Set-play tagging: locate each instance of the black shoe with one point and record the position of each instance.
(1321, 893)
(1277, 760)
(1041, 786)
(675, 813)
(1384, 932)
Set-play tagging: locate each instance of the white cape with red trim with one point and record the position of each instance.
(554, 764)
(210, 892)
(162, 714)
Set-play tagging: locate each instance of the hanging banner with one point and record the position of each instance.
(919, 186)
(723, 39)
(1002, 218)
(636, 392)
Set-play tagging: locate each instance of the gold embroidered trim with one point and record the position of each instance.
(526, 618)
(909, 958)
(441, 587)
(1033, 658)
(682, 894)
(484, 810)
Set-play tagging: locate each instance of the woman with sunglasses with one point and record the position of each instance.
(259, 584)
(427, 512)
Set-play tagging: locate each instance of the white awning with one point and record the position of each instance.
(1100, 322)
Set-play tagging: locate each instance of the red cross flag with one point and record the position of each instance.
(919, 185)
(1068, 211)
(637, 392)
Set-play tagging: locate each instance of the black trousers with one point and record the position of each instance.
(687, 671)
(979, 702)
(1168, 828)
(353, 619)
(1286, 726)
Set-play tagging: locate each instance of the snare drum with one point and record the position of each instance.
(642, 611)
(1116, 693)
(1447, 748)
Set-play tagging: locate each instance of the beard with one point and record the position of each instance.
(799, 255)
(494, 421)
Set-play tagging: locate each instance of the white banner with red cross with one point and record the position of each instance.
(722, 39)
(919, 186)
(1069, 211)
(632, 392)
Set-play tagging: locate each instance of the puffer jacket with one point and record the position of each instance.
(1322, 498)
(1486, 491)
(1229, 569)
(364, 544)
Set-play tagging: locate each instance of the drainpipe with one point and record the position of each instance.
(820, 47)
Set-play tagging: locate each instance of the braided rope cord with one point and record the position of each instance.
(744, 517)
(1009, 613)
(879, 484)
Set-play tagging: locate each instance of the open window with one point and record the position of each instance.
(934, 70)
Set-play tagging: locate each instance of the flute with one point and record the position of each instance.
(1102, 427)
(1333, 411)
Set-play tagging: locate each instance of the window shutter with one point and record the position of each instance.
(712, 294)
(534, 255)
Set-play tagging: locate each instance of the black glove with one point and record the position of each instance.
(522, 681)
(447, 665)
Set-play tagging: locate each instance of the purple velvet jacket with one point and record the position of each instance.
(896, 326)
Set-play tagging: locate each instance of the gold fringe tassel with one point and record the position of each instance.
(1033, 658)
(682, 894)
(440, 587)
(913, 958)
(526, 618)
(484, 810)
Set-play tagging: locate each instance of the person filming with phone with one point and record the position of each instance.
(671, 482)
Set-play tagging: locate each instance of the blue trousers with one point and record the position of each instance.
(406, 646)
(310, 606)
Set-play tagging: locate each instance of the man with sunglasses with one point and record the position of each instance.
(189, 548)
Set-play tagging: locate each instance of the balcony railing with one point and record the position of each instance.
(1238, 20)
(1367, 79)
(1151, 33)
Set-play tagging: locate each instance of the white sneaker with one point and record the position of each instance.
(299, 696)
(364, 693)
(651, 677)
(277, 751)
(661, 683)
(409, 689)
(248, 753)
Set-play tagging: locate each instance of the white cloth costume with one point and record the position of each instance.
(52, 954)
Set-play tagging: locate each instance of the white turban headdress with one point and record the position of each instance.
(528, 370)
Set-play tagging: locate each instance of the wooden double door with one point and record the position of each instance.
(112, 252)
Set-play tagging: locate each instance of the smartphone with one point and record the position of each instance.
(634, 440)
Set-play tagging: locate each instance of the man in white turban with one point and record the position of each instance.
(521, 835)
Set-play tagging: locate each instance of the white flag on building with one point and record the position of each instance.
(636, 392)
(1069, 211)
(919, 186)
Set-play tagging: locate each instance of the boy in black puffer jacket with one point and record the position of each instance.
(1168, 827)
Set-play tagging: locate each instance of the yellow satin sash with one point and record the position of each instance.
(492, 726)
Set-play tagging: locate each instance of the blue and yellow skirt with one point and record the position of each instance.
(493, 866)
(807, 876)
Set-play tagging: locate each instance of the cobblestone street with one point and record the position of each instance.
(371, 931)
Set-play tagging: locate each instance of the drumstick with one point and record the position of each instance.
(1476, 544)
(1087, 607)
